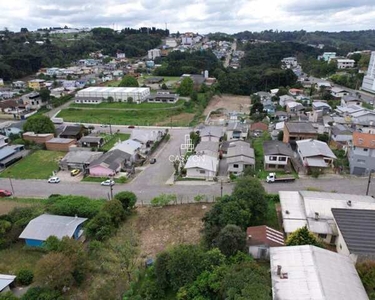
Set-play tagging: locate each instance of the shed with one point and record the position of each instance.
(5, 282)
(261, 238)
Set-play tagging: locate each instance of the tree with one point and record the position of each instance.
(25, 276)
(230, 240)
(303, 236)
(128, 199)
(39, 124)
(186, 87)
(194, 96)
(323, 137)
(54, 271)
(130, 100)
(52, 243)
(39, 293)
(101, 226)
(164, 86)
(115, 209)
(45, 94)
(128, 81)
(366, 271)
(256, 108)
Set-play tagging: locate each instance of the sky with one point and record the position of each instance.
(201, 16)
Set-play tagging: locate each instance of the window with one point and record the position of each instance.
(235, 166)
(365, 149)
(322, 236)
(361, 161)
(333, 239)
(202, 172)
(273, 158)
(282, 158)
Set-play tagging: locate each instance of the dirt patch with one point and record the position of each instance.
(159, 228)
(182, 119)
(230, 103)
(6, 206)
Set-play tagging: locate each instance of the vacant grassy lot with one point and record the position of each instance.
(7, 204)
(125, 105)
(38, 165)
(111, 140)
(124, 117)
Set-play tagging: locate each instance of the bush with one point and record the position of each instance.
(163, 200)
(128, 199)
(25, 276)
(8, 296)
(115, 209)
(39, 293)
(101, 227)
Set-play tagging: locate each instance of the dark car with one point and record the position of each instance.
(131, 126)
(5, 193)
(152, 161)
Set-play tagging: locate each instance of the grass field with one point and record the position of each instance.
(125, 105)
(38, 165)
(125, 117)
(7, 204)
(112, 140)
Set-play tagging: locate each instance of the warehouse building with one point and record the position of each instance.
(118, 94)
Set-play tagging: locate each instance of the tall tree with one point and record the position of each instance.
(129, 81)
(186, 87)
(230, 240)
(39, 124)
(303, 236)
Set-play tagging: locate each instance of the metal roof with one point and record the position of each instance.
(112, 159)
(357, 227)
(211, 131)
(46, 225)
(60, 141)
(128, 146)
(145, 135)
(204, 162)
(6, 280)
(300, 127)
(277, 148)
(99, 89)
(312, 273)
(264, 235)
(311, 148)
(82, 157)
(237, 126)
(316, 162)
(207, 146)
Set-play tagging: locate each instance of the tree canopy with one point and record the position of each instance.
(303, 236)
(129, 81)
(39, 124)
(186, 87)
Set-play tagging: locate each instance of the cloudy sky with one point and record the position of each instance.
(196, 15)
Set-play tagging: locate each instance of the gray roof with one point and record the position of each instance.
(237, 126)
(226, 144)
(211, 131)
(83, 157)
(357, 227)
(6, 280)
(91, 139)
(111, 159)
(209, 145)
(277, 148)
(46, 225)
(240, 150)
(341, 129)
(300, 127)
(350, 98)
(311, 148)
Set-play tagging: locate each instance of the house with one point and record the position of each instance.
(41, 228)
(308, 272)
(368, 83)
(289, 62)
(327, 56)
(295, 92)
(37, 138)
(36, 84)
(73, 132)
(281, 115)
(3, 141)
(6, 282)
(238, 157)
(237, 130)
(296, 131)
(91, 141)
(201, 167)
(8, 128)
(163, 98)
(33, 101)
(293, 107)
(154, 80)
(284, 99)
(258, 128)
(323, 106)
(211, 133)
(362, 153)
(79, 160)
(363, 118)
(109, 164)
(313, 209)
(341, 133)
(323, 85)
(60, 144)
(277, 155)
(147, 138)
(349, 110)
(339, 92)
(131, 147)
(261, 238)
(269, 107)
(207, 148)
(315, 154)
(10, 154)
(356, 233)
(264, 96)
(18, 84)
(350, 100)
(343, 63)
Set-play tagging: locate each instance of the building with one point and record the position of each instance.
(201, 167)
(315, 154)
(33, 101)
(258, 128)
(327, 56)
(343, 63)
(41, 228)
(73, 132)
(153, 53)
(147, 137)
(261, 238)
(321, 106)
(131, 147)
(237, 131)
(277, 155)
(109, 164)
(284, 99)
(308, 272)
(239, 156)
(356, 233)
(10, 154)
(3, 141)
(313, 209)
(350, 100)
(36, 84)
(368, 83)
(294, 107)
(341, 133)
(37, 138)
(79, 160)
(211, 133)
(119, 94)
(18, 84)
(362, 153)
(163, 98)
(60, 144)
(296, 131)
(207, 148)
(6, 282)
(91, 141)
(339, 92)
(289, 62)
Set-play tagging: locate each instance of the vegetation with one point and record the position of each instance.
(25, 276)
(366, 271)
(39, 124)
(230, 240)
(29, 167)
(128, 81)
(186, 87)
(303, 236)
(111, 140)
(352, 79)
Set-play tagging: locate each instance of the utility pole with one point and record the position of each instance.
(11, 185)
(368, 183)
(221, 188)
(111, 189)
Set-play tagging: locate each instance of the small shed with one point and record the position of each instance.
(5, 282)
(261, 238)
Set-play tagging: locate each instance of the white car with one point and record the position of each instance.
(54, 180)
(108, 182)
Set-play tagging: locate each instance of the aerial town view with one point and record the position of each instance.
(170, 150)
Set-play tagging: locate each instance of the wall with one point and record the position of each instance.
(99, 171)
(195, 173)
(59, 146)
(254, 251)
(279, 164)
(358, 158)
(33, 243)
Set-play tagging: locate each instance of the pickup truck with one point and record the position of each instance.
(272, 178)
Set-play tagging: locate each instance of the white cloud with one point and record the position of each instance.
(197, 15)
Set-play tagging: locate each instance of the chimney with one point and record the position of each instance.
(349, 203)
(278, 270)
(316, 216)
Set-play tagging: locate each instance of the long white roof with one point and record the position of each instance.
(100, 89)
(314, 274)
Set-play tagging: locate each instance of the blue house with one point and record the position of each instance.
(41, 228)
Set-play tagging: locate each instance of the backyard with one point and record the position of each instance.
(30, 166)
(111, 140)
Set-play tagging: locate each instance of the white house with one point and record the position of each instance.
(237, 130)
(5, 282)
(130, 147)
(277, 155)
(315, 154)
(239, 156)
(201, 167)
(207, 148)
(285, 99)
(117, 93)
(343, 63)
(153, 53)
(339, 92)
(350, 100)
(289, 62)
(211, 133)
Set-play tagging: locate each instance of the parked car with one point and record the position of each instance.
(108, 182)
(131, 126)
(54, 180)
(152, 161)
(5, 193)
(75, 172)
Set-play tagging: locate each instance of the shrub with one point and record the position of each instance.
(163, 200)
(128, 199)
(100, 227)
(199, 198)
(39, 293)
(25, 276)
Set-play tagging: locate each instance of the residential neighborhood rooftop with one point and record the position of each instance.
(364, 140)
(300, 127)
(277, 148)
(309, 148)
(264, 235)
